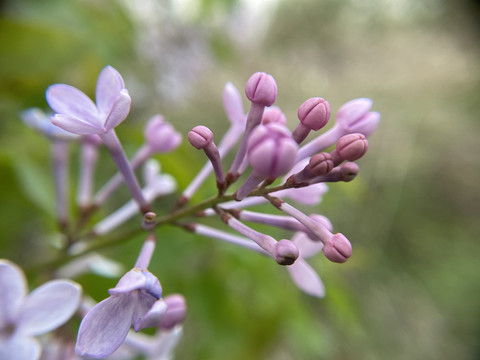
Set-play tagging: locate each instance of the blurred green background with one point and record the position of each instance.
(412, 288)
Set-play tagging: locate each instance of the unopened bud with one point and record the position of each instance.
(314, 113)
(286, 252)
(200, 137)
(261, 89)
(338, 249)
(352, 147)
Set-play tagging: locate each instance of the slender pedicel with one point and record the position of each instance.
(146, 252)
(112, 143)
(59, 155)
(337, 248)
(284, 251)
(201, 137)
(89, 156)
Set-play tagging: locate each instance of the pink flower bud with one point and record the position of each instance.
(261, 89)
(338, 249)
(348, 171)
(314, 113)
(352, 147)
(271, 150)
(200, 137)
(320, 164)
(176, 310)
(286, 252)
(274, 115)
(161, 135)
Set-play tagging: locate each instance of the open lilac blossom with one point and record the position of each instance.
(78, 114)
(302, 274)
(135, 300)
(22, 316)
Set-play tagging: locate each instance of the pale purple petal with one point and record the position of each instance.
(13, 288)
(105, 327)
(20, 348)
(109, 84)
(119, 110)
(143, 304)
(306, 246)
(152, 317)
(306, 278)
(68, 100)
(232, 103)
(132, 280)
(76, 125)
(48, 307)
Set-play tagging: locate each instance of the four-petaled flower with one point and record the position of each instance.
(137, 300)
(78, 114)
(22, 316)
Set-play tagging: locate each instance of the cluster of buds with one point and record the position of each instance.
(271, 165)
(268, 150)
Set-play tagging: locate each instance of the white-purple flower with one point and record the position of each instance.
(22, 316)
(137, 300)
(78, 114)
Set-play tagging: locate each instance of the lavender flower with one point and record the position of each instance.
(22, 316)
(135, 300)
(76, 113)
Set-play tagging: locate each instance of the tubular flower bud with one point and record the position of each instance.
(261, 89)
(352, 147)
(313, 115)
(200, 137)
(286, 252)
(338, 249)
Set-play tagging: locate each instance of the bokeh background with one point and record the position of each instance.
(411, 289)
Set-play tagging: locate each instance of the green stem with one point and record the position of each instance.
(171, 218)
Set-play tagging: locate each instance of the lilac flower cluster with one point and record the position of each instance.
(271, 165)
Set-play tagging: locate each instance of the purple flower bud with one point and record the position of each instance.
(286, 252)
(348, 171)
(320, 164)
(314, 113)
(161, 135)
(271, 150)
(200, 137)
(176, 310)
(355, 116)
(338, 249)
(274, 115)
(261, 89)
(352, 147)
